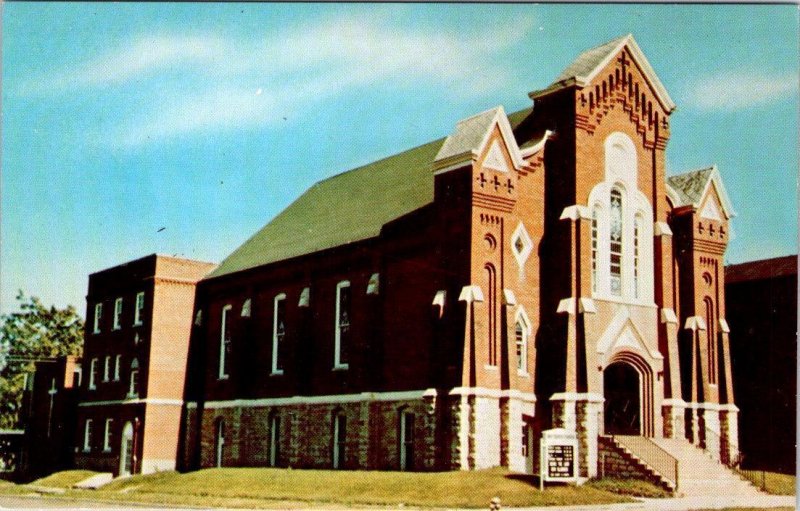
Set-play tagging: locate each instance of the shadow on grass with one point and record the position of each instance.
(529, 479)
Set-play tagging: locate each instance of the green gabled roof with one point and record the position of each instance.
(345, 208)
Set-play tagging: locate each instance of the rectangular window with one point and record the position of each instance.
(594, 250)
(107, 368)
(117, 363)
(278, 333)
(133, 390)
(107, 436)
(224, 342)
(87, 436)
(139, 310)
(342, 332)
(274, 440)
(98, 315)
(339, 436)
(525, 440)
(117, 313)
(521, 338)
(93, 374)
(406, 440)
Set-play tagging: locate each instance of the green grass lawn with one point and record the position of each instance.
(65, 479)
(632, 487)
(264, 487)
(771, 482)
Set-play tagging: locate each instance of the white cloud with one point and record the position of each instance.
(208, 82)
(742, 89)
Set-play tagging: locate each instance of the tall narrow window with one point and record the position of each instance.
(107, 368)
(492, 313)
(278, 333)
(406, 440)
(712, 341)
(93, 374)
(133, 386)
(342, 333)
(98, 315)
(87, 435)
(339, 436)
(139, 310)
(525, 439)
(224, 342)
(521, 337)
(117, 362)
(117, 313)
(594, 250)
(274, 439)
(107, 436)
(637, 230)
(615, 243)
(219, 450)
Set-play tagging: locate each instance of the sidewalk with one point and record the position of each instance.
(680, 504)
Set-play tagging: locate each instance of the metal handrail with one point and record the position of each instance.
(653, 455)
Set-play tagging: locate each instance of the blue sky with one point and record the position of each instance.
(206, 120)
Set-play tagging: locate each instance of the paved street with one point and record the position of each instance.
(677, 504)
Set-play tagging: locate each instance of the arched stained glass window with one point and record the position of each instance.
(615, 243)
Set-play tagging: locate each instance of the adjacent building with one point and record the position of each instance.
(48, 413)
(762, 304)
(138, 319)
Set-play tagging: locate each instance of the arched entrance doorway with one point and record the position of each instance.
(621, 389)
(628, 392)
(126, 451)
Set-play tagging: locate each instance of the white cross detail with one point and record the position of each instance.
(53, 391)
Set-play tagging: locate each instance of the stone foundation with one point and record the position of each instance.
(729, 434)
(463, 430)
(673, 412)
(581, 413)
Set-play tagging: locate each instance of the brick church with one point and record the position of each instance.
(440, 308)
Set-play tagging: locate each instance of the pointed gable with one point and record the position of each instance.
(589, 63)
(470, 138)
(693, 189)
(623, 334)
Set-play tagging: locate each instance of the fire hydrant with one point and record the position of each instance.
(494, 505)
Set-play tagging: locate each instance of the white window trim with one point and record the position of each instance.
(98, 314)
(635, 204)
(107, 368)
(522, 317)
(275, 354)
(222, 375)
(87, 434)
(117, 364)
(117, 313)
(138, 309)
(337, 345)
(92, 374)
(133, 392)
(107, 436)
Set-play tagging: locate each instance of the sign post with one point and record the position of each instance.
(558, 457)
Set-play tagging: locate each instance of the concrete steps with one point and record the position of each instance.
(700, 475)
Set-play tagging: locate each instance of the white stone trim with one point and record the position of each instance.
(668, 316)
(590, 397)
(147, 401)
(613, 333)
(493, 393)
(247, 308)
(575, 212)
(373, 286)
(471, 293)
(535, 148)
(723, 326)
(586, 305)
(677, 403)
(509, 298)
(566, 305)
(662, 229)
(694, 323)
(307, 400)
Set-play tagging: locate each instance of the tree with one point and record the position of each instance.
(33, 333)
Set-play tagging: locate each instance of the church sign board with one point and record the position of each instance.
(558, 456)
